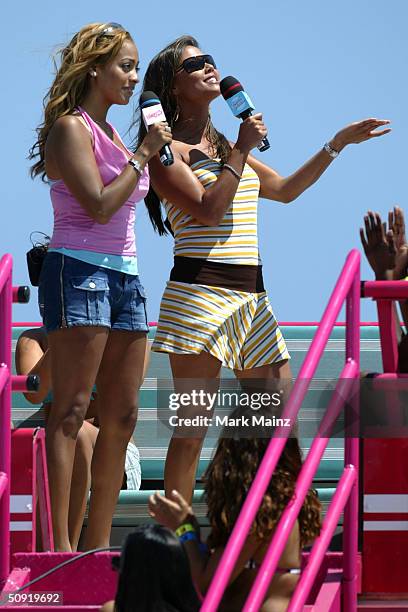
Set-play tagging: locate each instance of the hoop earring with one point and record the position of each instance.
(176, 115)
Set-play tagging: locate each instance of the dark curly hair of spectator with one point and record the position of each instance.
(229, 477)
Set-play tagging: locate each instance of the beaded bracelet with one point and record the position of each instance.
(234, 172)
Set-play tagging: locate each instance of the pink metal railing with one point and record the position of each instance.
(5, 412)
(347, 288)
(385, 292)
(342, 494)
(8, 295)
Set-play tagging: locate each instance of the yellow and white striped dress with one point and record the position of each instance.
(237, 327)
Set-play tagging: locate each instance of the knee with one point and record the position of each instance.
(123, 421)
(73, 418)
(85, 436)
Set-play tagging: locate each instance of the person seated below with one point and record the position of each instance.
(33, 356)
(228, 479)
(154, 574)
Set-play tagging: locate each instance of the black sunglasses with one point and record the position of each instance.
(191, 64)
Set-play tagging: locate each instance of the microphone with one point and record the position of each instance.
(152, 112)
(239, 102)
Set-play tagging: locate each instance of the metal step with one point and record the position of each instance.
(380, 605)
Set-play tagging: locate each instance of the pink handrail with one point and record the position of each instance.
(390, 290)
(340, 497)
(304, 481)
(6, 264)
(348, 283)
(3, 482)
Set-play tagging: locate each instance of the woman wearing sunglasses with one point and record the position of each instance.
(215, 310)
(94, 303)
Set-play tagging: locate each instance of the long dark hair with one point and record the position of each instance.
(228, 479)
(155, 573)
(159, 78)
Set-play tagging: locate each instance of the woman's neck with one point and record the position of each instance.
(192, 124)
(96, 108)
(97, 113)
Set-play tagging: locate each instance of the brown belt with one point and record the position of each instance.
(193, 270)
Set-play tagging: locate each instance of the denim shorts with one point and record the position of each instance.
(73, 293)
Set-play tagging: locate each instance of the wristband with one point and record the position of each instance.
(234, 172)
(184, 528)
(189, 535)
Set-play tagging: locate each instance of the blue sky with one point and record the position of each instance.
(310, 67)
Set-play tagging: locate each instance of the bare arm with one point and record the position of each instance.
(33, 357)
(171, 514)
(396, 223)
(281, 189)
(380, 250)
(69, 151)
(178, 184)
(203, 567)
(287, 189)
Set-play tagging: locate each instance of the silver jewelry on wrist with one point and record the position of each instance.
(234, 172)
(137, 166)
(332, 152)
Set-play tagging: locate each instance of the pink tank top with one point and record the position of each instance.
(74, 228)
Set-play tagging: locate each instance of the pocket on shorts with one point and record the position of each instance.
(139, 310)
(88, 299)
(142, 291)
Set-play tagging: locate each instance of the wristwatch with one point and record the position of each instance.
(332, 152)
(137, 166)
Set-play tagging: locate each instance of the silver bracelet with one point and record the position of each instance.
(136, 165)
(234, 172)
(332, 152)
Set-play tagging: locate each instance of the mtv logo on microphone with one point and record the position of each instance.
(153, 114)
(240, 103)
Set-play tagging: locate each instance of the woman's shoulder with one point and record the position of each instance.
(69, 126)
(182, 150)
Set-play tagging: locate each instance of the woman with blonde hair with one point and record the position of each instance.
(94, 303)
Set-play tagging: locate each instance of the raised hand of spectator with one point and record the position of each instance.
(169, 512)
(396, 223)
(379, 246)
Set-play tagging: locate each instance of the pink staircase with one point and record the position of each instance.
(329, 581)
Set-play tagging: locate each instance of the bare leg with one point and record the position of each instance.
(184, 453)
(81, 481)
(76, 355)
(273, 377)
(279, 371)
(146, 359)
(119, 379)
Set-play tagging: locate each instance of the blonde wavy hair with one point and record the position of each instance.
(95, 44)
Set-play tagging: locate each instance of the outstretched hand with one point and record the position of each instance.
(359, 131)
(396, 223)
(169, 512)
(379, 245)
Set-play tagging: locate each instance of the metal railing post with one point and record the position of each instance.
(5, 412)
(351, 452)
